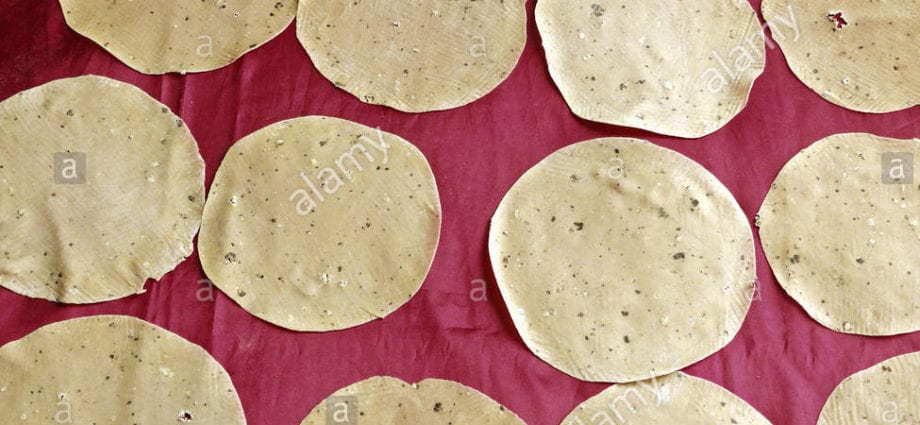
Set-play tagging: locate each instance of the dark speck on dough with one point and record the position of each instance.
(597, 10)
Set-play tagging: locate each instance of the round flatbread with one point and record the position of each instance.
(841, 230)
(319, 224)
(414, 56)
(113, 369)
(673, 399)
(677, 68)
(887, 393)
(102, 188)
(156, 37)
(620, 260)
(384, 400)
(851, 52)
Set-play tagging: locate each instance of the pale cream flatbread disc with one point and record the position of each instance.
(319, 224)
(887, 393)
(672, 399)
(620, 260)
(113, 370)
(157, 37)
(842, 233)
(414, 56)
(102, 187)
(857, 54)
(383, 400)
(680, 68)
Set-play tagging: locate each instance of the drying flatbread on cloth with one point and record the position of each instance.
(157, 37)
(384, 400)
(102, 187)
(672, 399)
(414, 56)
(620, 260)
(319, 224)
(841, 230)
(887, 393)
(680, 68)
(857, 54)
(113, 370)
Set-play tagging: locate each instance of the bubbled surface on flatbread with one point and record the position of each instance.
(357, 253)
(113, 370)
(135, 212)
(857, 54)
(157, 37)
(672, 399)
(886, 393)
(677, 67)
(620, 260)
(383, 400)
(842, 241)
(414, 56)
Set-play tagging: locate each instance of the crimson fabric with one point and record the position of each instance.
(782, 362)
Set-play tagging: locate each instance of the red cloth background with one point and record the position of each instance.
(782, 362)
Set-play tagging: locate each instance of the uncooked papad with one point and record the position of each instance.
(841, 230)
(856, 54)
(680, 68)
(113, 370)
(318, 224)
(672, 399)
(886, 393)
(414, 56)
(620, 260)
(384, 400)
(102, 188)
(156, 37)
